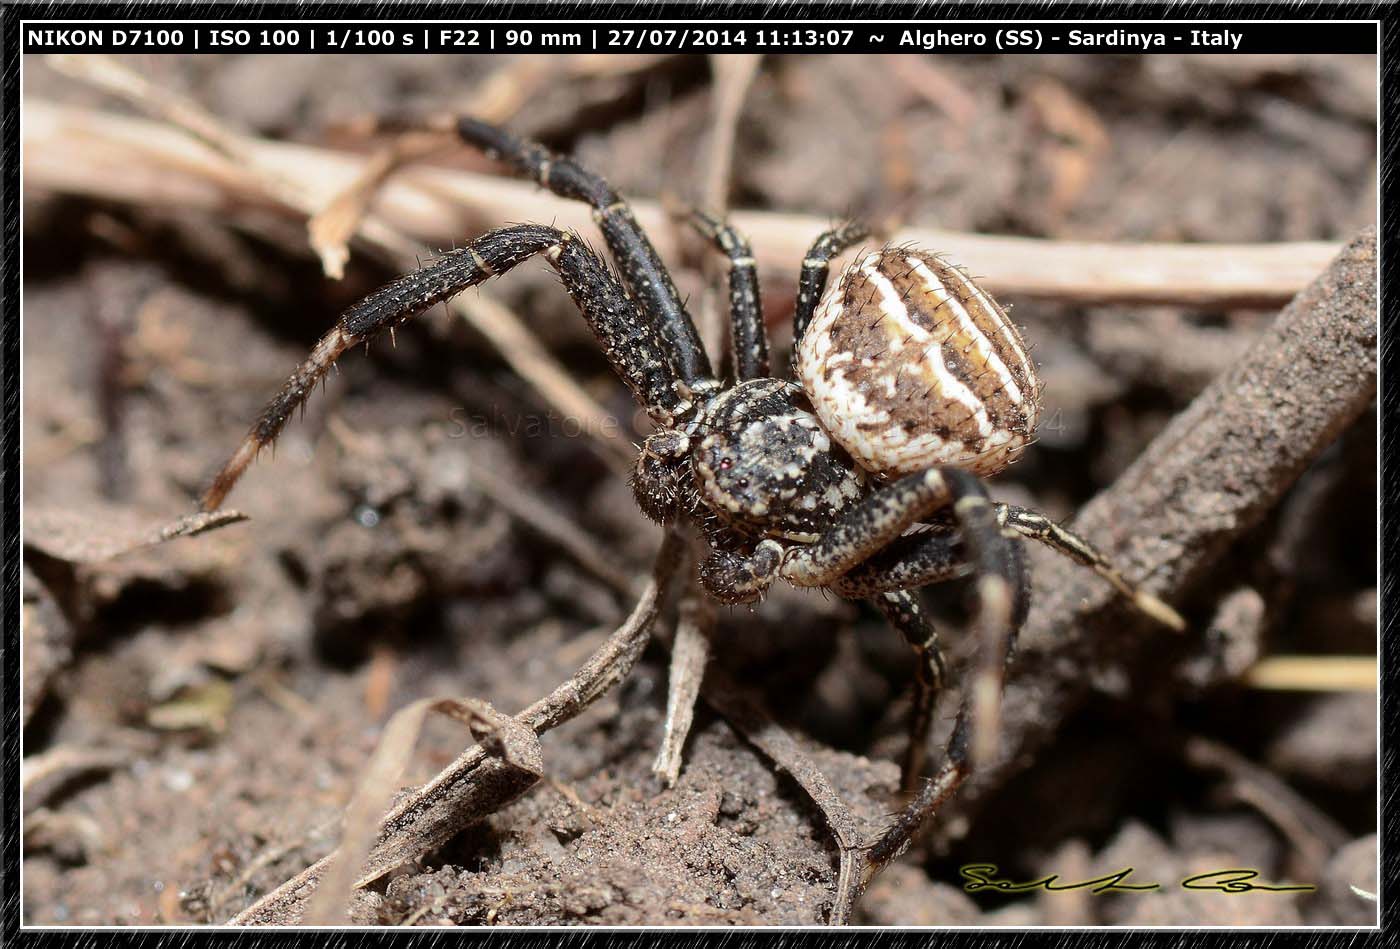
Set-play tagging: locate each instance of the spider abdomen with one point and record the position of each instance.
(910, 365)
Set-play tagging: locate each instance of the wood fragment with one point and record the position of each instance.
(1206, 480)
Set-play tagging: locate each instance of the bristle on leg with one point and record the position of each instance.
(274, 417)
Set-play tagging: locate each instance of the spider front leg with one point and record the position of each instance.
(811, 283)
(641, 268)
(637, 355)
(747, 337)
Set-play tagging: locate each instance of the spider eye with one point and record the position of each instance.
(911, 365)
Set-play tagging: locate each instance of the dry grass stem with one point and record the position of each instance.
(300, 186)
(330, 229)
(86, 151)
(935, 86)
(690, 654)
(1313, 834)
(540, 514)
(533, 363)
(1315, 674)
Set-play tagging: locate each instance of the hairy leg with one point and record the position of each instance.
(906, 614)
(642, 271)
(811, 283)
(747, 337)
(637, 356)
(1040, 528)
(912, 561)
(1001, 602)
(870, 525)
(930, 797)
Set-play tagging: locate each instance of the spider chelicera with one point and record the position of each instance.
(862, 477)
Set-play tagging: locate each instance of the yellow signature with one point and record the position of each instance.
(982, 876)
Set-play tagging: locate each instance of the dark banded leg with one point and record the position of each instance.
(1002, 602)
(872, 524)
(747, 338)
(1041, 528)
(932, 794)
(910, 562)
(992, 556)
(811, 283)
(904, 612)
(637, 260)
(868, 527)
(636, 355)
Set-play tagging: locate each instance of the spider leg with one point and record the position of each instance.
(811, 283)
(1040, 528)
(870, 525)
(904, 612)
(639, 358)
(642, 271)
(930, 797)
(912, 561)
(1002, 604)
(747, 338)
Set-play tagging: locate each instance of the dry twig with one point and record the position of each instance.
(690, 654)
(691, 651)
(1314, 835)
(511, 741)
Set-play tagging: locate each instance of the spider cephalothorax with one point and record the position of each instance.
(756, 458)
(862, 479)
